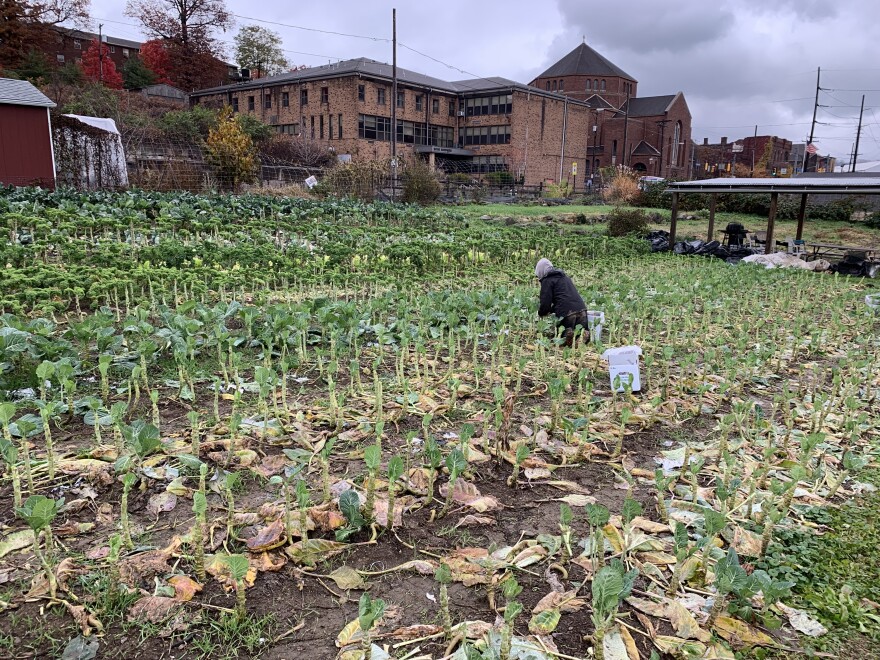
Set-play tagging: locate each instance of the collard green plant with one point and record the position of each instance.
(38, 512)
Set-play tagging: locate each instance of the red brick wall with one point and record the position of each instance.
(576, 87)
(66, 45)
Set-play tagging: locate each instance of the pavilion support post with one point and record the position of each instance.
(771, 243)
(673, 221)
(713, 199)
(802, 214)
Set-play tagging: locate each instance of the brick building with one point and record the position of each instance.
(651, 134)
(478, 126)
(69, 46)
(762, 155)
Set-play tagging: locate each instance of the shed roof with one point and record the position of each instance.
(21, 92)
(819, 184)
(584, 61)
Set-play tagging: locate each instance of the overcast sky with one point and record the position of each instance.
(738, 62)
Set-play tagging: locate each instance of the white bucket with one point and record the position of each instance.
(623, 367)
(595, 319)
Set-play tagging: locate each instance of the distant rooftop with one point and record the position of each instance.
(648, 106)
(372, 68)
(89, 36)
(584, 61)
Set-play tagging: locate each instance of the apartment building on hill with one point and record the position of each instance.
(476, 126)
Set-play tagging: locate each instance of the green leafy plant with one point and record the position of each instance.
(38, 512)
(456, 464)
(443, 575)
(372, 459)
(370, 610)
(730, 577)
(238, 568)
(395, 471)
(610, 586)
(350, 506)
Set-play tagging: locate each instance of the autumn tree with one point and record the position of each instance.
(98, 66)
(154, 56)
(231, 152)
(28, 24)
(259, 50)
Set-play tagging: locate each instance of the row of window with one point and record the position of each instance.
(486, 135)
(489, 105)
(77, 45)
(559, 85)
(371, 127)
(316, 129)
(486, 164)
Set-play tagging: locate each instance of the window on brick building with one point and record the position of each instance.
(125, 52)
(473, 135)
(435, 106)
(325, 95)
(401, 99)
(418, 101)
(561, 85)
(489, 105)
(267, 102)
(548, 86)
(303, 97)
(313, 127)
(321, 126)
(285, 99)
(380, 96)
(250, 102)
(60, 58)
(77, 44)
(330, 129)
(676, 138)
(452, 108)
(235, 104)
(614, 147)
(602, 86)
(595, 85)
(555, 85)
(362, 93)
(371, 127)
(339, 125)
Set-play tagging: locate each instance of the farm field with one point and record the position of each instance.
(243, 426)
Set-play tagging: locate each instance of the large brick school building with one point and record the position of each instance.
(536, 132)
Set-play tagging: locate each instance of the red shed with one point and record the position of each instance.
(26, 156)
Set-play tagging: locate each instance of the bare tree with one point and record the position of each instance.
(183, 21)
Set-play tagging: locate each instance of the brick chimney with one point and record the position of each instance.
(724, 142)
(705, 142)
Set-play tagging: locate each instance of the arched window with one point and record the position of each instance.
(676, 138)
(602, 86)
(561, 85)
(548, 85)
(554, 85)
(595, 85)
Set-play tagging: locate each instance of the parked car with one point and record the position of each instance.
(646, 181)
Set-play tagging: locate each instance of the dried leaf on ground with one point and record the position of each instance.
(143, 566)
(740, 634)
(415, 631)
(474, 520)
(564, 602)
(679, 648)
(267, 562)
(87, 622)
(154, 609)
(745, 542)
(184, 587)
(23, 538)
(162, 503)
(269, 537)
(315, 550)
(346, 577)
(468, 494)
(615, 647)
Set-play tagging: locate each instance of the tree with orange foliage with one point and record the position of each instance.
(96, 70)
(155, 57)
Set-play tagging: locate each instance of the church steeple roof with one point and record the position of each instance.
(584, 61)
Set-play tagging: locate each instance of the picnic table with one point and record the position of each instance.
(827, 250)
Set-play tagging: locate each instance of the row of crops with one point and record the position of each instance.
(343, 426)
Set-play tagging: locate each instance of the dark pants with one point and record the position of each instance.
(569, 323)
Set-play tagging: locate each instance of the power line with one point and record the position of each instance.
(308, 29)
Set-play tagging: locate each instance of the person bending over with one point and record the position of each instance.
(559, 296)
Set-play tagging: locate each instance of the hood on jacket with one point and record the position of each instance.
(543, 268)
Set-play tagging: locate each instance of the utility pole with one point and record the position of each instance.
(813, 125)
(100, 53)
(625, 128)
(394, 104)
(858, 135)
(754, 142)
(662, 123)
